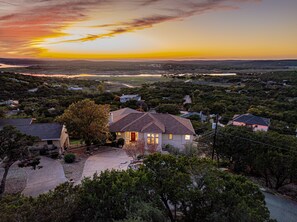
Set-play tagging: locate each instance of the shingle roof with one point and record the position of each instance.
(153, 123)
(44, 131)
(15, 122)
(252, 120)
(118, 114)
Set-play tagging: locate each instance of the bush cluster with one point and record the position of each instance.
(69, 158)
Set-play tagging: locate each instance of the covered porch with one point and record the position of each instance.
(148, 138)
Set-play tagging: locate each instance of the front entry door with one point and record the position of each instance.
(133, 136)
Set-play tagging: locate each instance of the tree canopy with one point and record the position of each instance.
(14, 146)
(166, 188)
(86, 120)
(269, 154)
(168, 108)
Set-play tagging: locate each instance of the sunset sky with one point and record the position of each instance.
(148, 29)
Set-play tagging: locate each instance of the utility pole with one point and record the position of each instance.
(215, 137)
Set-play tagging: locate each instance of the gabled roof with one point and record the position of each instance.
(44, 131)
(252, 120)
(15, 122)
(153, 123)
(144, 123)
(118, 114)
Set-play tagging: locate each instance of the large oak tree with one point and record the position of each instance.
(86, 120)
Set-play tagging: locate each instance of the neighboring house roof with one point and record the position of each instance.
(118, 114)
(252, 120)
(189, 114)
(44, 131)
(15, 122)
(129, 96)
(153, 123)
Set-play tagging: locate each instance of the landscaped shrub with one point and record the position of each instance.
(121, 142)
(190, 150)
(171, 149)
(54, 155)
(42, 152)
(69, 158)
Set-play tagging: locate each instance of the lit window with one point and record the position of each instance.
(118, 134)
(170, 136)
(187, 137)
(152, 138)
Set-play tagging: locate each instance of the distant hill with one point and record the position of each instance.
(136, 67)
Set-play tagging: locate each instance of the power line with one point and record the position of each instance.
(266, 144)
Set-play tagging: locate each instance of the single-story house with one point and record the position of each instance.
(11, 103)
(126, 98)
(153, 128)
(51, 135)
(202, 117)
(257, 123)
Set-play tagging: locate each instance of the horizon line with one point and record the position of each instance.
(151, 60)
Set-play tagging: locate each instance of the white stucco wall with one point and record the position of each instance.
(177, 141)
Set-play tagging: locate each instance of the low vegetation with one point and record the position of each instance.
(269, 155)
(69, 158)
(14, 146)
(166, 188)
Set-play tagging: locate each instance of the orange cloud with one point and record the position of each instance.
(189, 9)
(28, 22)
(19, 29)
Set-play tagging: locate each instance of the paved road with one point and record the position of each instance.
(47, 178)
(281, 209)
(112, 159)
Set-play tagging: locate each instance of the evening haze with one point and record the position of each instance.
(148, 29)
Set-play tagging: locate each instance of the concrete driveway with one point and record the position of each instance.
(16, 179)
(281, 209)
(112, 159)
(47, 178)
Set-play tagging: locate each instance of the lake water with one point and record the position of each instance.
(220, 74)
(10, 66)
(86, 75)
(90, 75)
